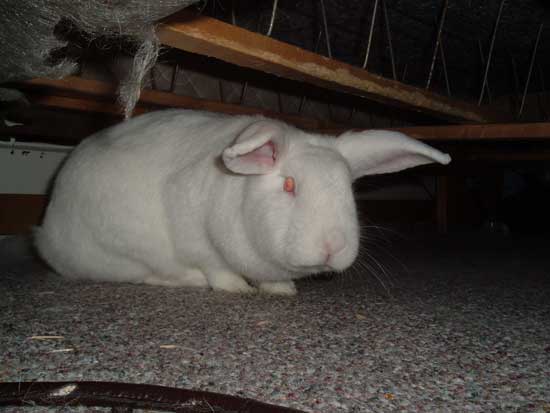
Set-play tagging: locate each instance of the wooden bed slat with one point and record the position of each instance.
(497, 131)
(207, 36)
(75, 88)
(79, 88)
(474, 132)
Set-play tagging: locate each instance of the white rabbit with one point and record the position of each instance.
(188, 198)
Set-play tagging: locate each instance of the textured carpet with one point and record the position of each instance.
(465, 328)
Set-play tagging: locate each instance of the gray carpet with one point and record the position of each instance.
(465, 328)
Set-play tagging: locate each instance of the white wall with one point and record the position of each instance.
(29, 168)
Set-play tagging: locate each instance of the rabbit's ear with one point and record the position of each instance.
(256, 150)
(378, 152)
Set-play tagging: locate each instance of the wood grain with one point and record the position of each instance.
(210, 37)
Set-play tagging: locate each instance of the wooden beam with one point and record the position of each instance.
(81, 104)
(486, 132)
(207, 36)
(77, 90)
(497, 131)
(75, 87)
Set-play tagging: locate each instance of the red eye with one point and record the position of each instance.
(289, 185)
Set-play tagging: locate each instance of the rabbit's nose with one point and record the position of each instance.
(335, 241)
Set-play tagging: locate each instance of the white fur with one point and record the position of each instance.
(186, 198)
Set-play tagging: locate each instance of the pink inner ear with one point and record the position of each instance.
(264, 155)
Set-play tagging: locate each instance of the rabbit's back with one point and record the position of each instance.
(106, 214)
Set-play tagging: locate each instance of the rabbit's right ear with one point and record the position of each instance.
(256, 150)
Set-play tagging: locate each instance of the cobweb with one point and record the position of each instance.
(27, 37)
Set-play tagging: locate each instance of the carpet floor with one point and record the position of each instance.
(464, 327)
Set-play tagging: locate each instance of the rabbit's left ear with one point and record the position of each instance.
(256, 149)
(378, 152)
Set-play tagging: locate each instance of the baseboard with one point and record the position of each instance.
(19, 213)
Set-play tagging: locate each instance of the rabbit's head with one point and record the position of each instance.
(298, 207)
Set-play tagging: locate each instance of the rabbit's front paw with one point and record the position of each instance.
(195, 278)
(229, 282)
(189, 278)
(278, 288)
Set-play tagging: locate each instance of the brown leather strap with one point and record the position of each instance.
(123, 397)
